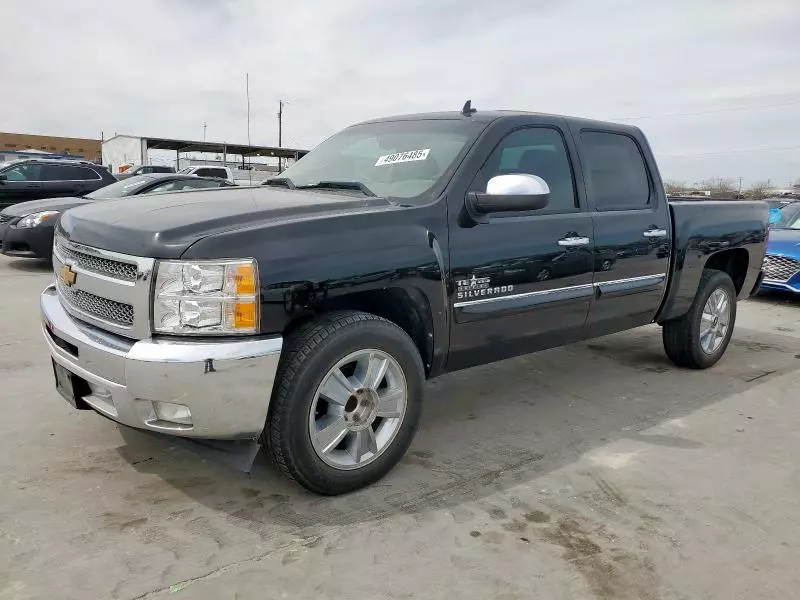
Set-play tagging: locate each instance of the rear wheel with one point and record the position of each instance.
(699, 338)
(346, 403)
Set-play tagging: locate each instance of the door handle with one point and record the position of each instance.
(573, 241)
(655, 233)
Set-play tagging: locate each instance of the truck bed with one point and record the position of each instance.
(731, 230)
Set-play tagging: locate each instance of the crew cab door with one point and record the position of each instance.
(520, 281)
(632, 229)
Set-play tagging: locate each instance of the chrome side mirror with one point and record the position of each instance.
(510, 193)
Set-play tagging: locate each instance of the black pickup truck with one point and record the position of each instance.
(306, 314)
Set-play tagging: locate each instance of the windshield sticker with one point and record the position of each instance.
(398, 157)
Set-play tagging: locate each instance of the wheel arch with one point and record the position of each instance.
(406, 307)
(734, 262)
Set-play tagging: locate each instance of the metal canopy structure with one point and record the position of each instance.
(221, 148)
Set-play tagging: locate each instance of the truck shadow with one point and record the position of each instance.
(486, 430)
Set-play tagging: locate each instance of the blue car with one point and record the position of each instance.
(782, 262)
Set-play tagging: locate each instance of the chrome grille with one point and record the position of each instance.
(104, 309)
(6, 218)
(110, 290)
(780, 268)
(97, 264)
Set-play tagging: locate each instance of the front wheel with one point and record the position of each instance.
(347, 401)
(699, 338)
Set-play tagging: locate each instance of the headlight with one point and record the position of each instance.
(34, 219)
(206, 297)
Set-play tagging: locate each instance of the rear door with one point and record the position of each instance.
(632, 230)
(61, 180)
(521, 281)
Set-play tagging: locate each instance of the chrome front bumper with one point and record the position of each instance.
(226, 385)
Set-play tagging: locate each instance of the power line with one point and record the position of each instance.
(735, 151)
(709, 112)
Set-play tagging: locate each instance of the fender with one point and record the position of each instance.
(342, 262)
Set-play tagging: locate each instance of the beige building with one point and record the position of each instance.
(13, 143)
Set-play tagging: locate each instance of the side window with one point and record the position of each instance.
(212, 173)
(85, 174)
(29, 172)
(537, 151)
(616, 171)
(58, 173)
(185, 184)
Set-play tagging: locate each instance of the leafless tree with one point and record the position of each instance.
(758, 190)
(720, 187)
(674, 188)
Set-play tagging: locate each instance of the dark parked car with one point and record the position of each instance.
(33, 179)
(144, 170)
(26, 229)
(306, 314)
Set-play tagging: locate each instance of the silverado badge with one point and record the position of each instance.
(67, 275)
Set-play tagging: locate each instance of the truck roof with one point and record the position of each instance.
(486, 116)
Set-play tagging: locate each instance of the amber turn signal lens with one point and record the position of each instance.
(244, 315)
(245, 280)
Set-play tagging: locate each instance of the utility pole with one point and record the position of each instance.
(280, 133)
(740, 188)
(247, 86)
(204, 131)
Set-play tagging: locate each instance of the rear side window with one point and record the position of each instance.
(211, 173)
(59, 173)
(616, 171)
(86, 174)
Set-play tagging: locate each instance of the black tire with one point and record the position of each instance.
(682, 336)
(309, 353)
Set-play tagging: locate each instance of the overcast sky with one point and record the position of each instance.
(715, 85)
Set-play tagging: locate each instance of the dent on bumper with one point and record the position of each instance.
(227, 384)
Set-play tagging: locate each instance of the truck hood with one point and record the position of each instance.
(59, 204)
(165, 225)
(785, 242)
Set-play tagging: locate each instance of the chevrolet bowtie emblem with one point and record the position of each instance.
(68, 276)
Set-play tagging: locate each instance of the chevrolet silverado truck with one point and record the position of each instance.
(307, 313)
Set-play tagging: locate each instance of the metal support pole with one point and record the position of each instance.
(280, 133)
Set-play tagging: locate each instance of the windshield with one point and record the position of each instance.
(126, 187)
(399, 159)
(789, 217)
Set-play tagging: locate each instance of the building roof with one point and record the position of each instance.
(157, 143)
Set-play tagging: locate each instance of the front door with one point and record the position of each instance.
(22, 183)
(521, 281)
(632, 232)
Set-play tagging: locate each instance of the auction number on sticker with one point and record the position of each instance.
(398, 157)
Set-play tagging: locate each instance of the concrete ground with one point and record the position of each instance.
(598, 470)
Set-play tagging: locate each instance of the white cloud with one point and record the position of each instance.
(156, 68)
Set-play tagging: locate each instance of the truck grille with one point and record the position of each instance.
(104, 309)
(106, 289)
(780, 268)
(97, 264)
